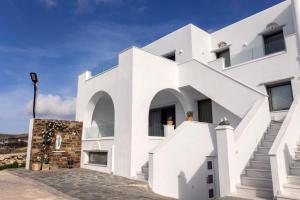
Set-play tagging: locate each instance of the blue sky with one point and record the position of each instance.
(59, 39)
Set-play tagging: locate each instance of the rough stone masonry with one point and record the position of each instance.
(70, 144)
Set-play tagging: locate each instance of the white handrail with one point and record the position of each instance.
(249, 132)
(282, 150)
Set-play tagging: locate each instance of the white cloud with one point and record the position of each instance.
(54, 106)
(49, 3)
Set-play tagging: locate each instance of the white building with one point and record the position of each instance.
(248, 72)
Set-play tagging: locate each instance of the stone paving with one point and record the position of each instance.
(91, 185)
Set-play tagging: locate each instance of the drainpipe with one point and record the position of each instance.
(296, 6)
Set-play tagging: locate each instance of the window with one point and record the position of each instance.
(99, 158)
(158, 117)
(210, 179)
(170, 56)
(205, 111)
(226, 55)
(209, 164)
(211, 193)
(280, 96)
(274, 42)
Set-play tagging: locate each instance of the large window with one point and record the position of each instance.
(280, 96)
(99, 158)
(158, 117)
(274, 42)
(226, 55)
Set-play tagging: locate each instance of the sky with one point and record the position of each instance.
(59, 39)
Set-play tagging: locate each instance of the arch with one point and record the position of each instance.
(100, 116)
(164, 104)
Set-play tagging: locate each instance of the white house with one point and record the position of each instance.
(248, 72)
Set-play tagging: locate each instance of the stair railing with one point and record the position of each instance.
(282, 150)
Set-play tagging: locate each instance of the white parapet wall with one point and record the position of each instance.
(237, 147)
(177, 166)
(283, 148)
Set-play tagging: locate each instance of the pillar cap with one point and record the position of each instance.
(224, 127)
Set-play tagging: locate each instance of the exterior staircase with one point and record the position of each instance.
(144, 173)
(256, 181)
(292, 187)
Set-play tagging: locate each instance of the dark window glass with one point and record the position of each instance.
(205, 111)
(158, 117)
(210, 179)
(226, 55)
(170, 56)
(211, 193)
(209, 165)
(280, 96)
(98, 158)
(274, 42)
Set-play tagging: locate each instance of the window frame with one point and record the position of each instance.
(100, 152)
(269, 91)
(217, 53)
(271, 34)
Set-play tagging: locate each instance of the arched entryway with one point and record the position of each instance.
(100, 116)
(166, 104)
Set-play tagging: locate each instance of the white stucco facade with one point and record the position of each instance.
(118, 106)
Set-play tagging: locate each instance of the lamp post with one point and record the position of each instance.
(34, 80)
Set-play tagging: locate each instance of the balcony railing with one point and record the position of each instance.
(249, 54)
(102, 131)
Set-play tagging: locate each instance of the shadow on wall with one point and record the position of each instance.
(196, 187)
(288, 158)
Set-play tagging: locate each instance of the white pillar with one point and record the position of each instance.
(226, 159)
(168, 130)
(296, 5)
(29, 143)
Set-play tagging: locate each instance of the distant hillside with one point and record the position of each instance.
(5, 135)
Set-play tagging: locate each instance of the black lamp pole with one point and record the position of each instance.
(34, 80)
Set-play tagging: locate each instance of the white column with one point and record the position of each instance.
(296, 5)
(168, 130)
(29, 143)
(226, 159)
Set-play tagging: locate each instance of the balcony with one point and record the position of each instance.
(253, 54)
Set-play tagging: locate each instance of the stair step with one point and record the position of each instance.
(261, 157)
(260, 164)
(270, 137)
(292, 189)
(295, 170)
(297, 154)
(256, 182)
(253, 192)
(267, 143)
(141, 176)
(293, 180)
(263, 150)
(287, 197)
(263, 173)
(296, 163)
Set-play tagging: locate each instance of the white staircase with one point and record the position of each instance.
(144, 173)
(256, 182)
(292, 187)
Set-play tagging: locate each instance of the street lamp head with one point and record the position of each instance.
(33, 77)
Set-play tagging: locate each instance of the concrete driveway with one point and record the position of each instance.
(71, 184)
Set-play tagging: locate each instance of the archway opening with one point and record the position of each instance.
(165, 107)
(102, 116)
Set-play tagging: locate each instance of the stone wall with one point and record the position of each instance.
(70, 144)
(12, 157)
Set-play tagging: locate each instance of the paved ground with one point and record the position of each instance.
(72, 184)
(12, 188)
